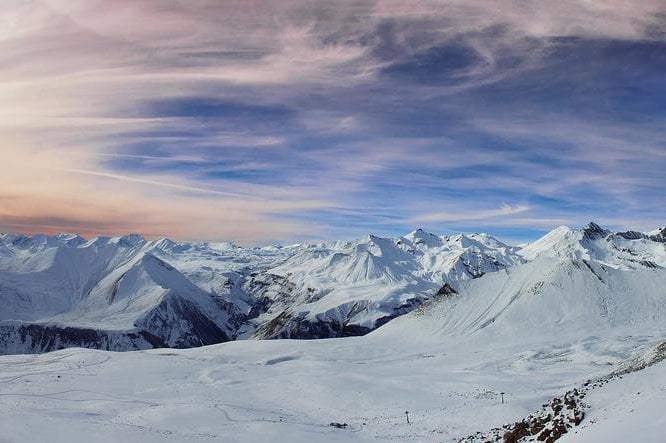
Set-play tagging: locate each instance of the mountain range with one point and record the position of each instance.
(127, 293)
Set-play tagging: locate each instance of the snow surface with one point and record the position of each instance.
(573, 306)
(630, 409)
(292, 390)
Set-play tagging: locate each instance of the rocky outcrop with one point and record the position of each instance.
(659, 236)
(594, 232)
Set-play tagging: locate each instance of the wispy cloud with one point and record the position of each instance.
(257, 121)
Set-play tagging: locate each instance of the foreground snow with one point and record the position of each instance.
(292, 390)
(630, 409)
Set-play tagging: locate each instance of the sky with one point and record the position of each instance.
(280, 121)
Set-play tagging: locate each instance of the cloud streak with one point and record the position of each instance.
(458, 216)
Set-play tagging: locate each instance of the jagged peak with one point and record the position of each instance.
(164, 243)
(128, 240)
(593, 231)
(98, 240)
(368, 239)
(627, 250)
(488, 240)
(173, 247)
(475, 240)
(42, 240)
(67, 235)
(631, 235)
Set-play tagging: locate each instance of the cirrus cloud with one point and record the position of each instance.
(258, 121)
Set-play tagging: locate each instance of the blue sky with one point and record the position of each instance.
(258, 122)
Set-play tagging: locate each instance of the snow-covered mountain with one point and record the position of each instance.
(120, 293)
(127, 293)
(574, 282)
(350, 288)
(546, 297)
(625, 250)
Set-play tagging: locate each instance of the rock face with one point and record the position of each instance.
(28, 338)
(288, 324)
(551, 422)
(126, 293)
(659, 235)
(594, 232)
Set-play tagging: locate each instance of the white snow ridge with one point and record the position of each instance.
(467, 337)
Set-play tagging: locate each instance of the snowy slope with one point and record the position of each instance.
(46, 277)
(149, 294)
(548, 297)
(627, 408)
(248, 391)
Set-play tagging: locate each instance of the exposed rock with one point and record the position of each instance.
(593, 231)
(445, 290)
(660, 236)
(31, 338)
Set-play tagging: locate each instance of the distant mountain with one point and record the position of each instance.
(350, 288)
(625, 250)
(123, 293)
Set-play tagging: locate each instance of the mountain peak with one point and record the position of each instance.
(128, 240)
(593, 231)
(419, 236)
(626, 250)
(70, 239)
